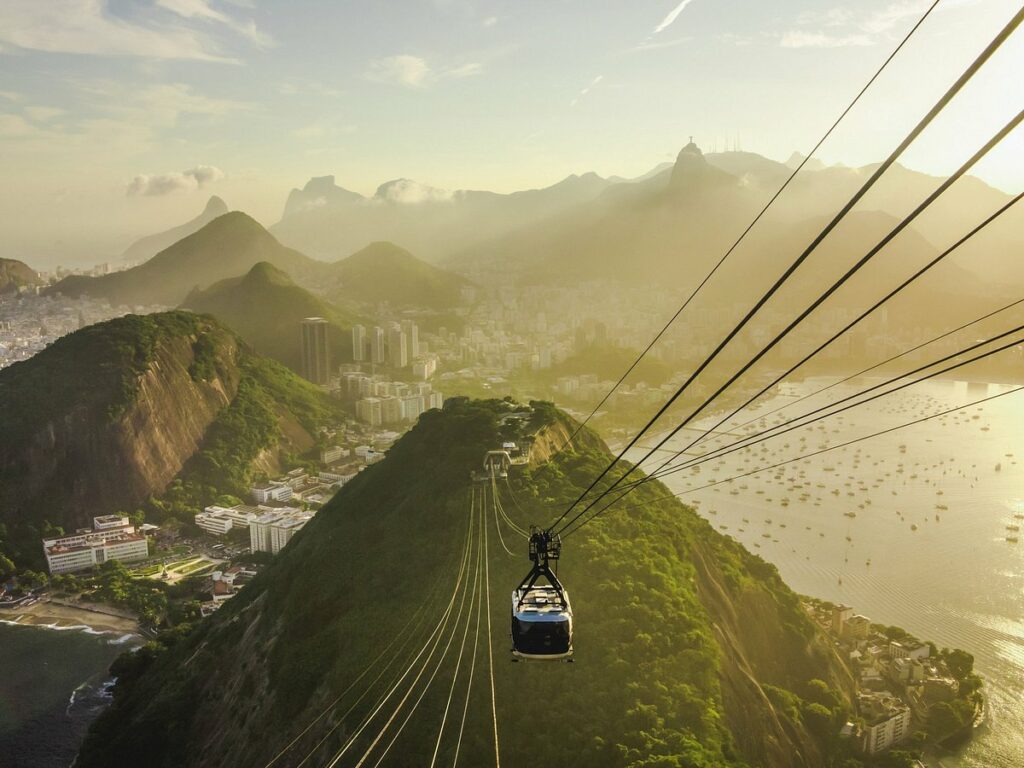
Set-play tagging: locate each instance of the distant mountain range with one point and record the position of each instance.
(226, 247)
(232, 244)
(674, 220)
(149, 246)
(671, 228)
(266, 308)
(325, 220)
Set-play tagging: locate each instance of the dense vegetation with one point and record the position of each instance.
(266, 308)
(647, 585)
(244, 429)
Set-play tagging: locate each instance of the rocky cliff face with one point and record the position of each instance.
(93, 457)
(161, 412)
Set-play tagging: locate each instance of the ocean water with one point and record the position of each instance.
(51, 688)
(909, 528)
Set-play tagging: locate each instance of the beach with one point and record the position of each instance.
(57, 613)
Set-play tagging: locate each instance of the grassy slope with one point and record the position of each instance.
(646, 689)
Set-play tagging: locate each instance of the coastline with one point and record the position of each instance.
(94, 618)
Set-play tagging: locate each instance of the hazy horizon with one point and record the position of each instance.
(115, 118)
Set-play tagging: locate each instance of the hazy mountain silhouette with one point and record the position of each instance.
(325, 220)
(228, 246)
(149, 246)
(384, 272)
(14, 274)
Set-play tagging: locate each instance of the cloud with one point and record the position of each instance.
(801, 39)
(167, 183)
(43, 114)
(490, 21)
(652, 45)
(410, 71)
(844, 27)
(409, 192)
(202, 10)
(414, 71)
(587, 89)
(88, 27)
(670, 19)
(10, 95)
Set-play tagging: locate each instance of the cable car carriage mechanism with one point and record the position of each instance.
(541, 614)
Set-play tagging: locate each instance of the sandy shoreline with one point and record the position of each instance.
(62, 615)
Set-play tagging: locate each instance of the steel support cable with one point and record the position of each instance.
(365, 693)
(913, 277)
(455, 677)
(469, 686)
(499, 507)
(490, 650)
(440, 661)
(945, 185)
(704, 458)
(751, 225)
(435, 633)
(409, 636)
(939, 106)
(435, 639)
(880, 433)
(404, 634)
(497, 522)
(865, 371)
(712, 452)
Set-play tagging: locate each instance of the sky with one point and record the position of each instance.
(119, 118)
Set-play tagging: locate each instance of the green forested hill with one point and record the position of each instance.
(683, 639)
(266, 308)
(163, 410)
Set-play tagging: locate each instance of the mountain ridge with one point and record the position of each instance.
(265, 307)
(149, 246)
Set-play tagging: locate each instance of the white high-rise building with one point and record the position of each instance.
(358, 343)
(377, 345)
(412, 335)
(398, 351)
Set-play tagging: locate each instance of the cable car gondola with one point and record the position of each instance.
(541, 613)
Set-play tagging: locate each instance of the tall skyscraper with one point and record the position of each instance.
(316, 357)
(377, 345)
(398, 352)
(358, 343)
(412, 337)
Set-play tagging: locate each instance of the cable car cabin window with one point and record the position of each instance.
(541, 638)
